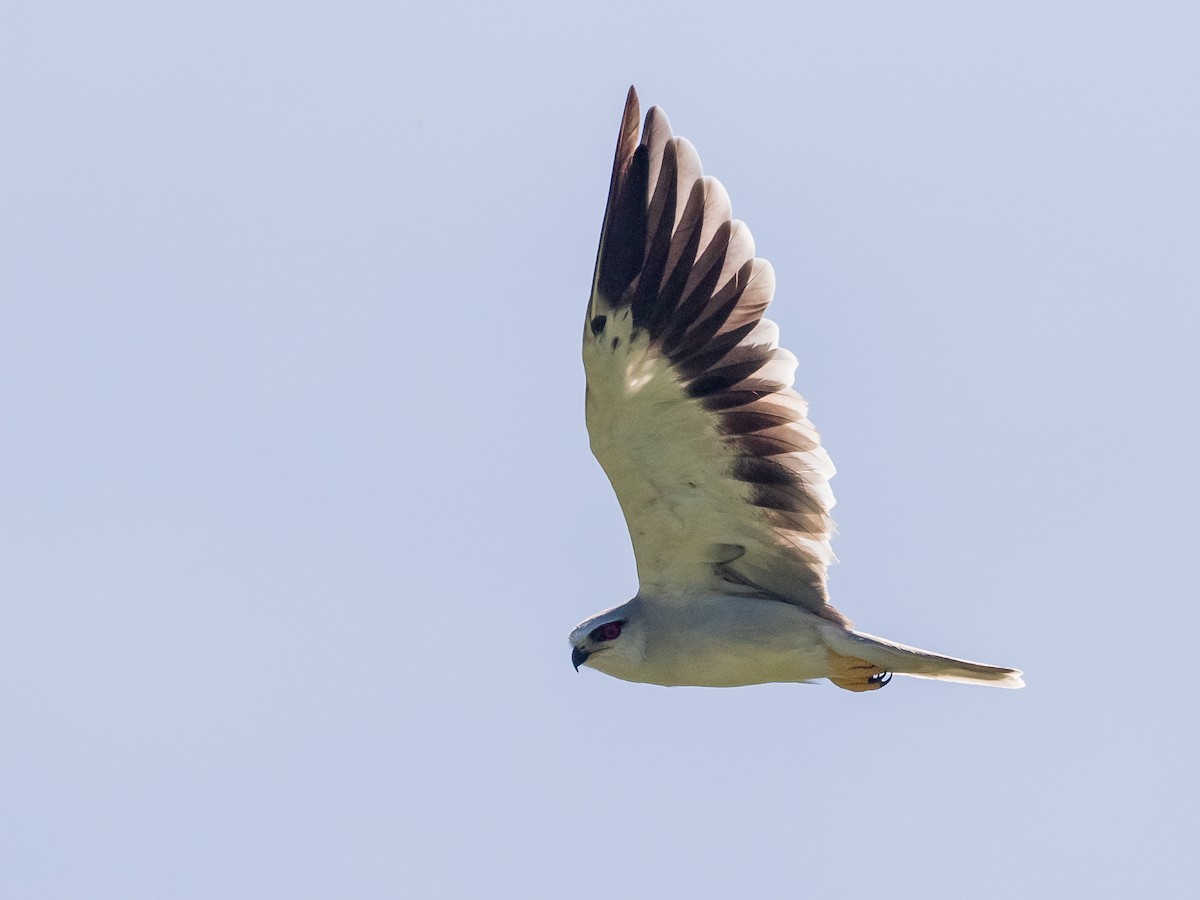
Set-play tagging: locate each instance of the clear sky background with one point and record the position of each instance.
(297, 506)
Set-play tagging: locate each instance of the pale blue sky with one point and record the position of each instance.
(296, 505)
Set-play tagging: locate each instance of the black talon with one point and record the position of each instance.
(882, 679)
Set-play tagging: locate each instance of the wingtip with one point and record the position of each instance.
(633, 107)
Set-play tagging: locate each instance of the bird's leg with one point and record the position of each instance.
(853, 674)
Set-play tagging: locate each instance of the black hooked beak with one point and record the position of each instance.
(578, 657)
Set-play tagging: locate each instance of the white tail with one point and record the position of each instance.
(902, 660)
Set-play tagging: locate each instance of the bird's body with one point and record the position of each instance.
(715, 640)
(721, 477)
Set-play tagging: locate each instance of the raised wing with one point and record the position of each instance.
(722, 478)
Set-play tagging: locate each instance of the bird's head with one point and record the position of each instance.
(611, 642)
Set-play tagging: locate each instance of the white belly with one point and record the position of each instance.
(728, 642)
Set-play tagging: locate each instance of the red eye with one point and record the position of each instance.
(609, 632)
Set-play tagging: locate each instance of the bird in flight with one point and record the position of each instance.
(720, 474)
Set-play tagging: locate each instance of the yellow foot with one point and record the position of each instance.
(854, 674)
